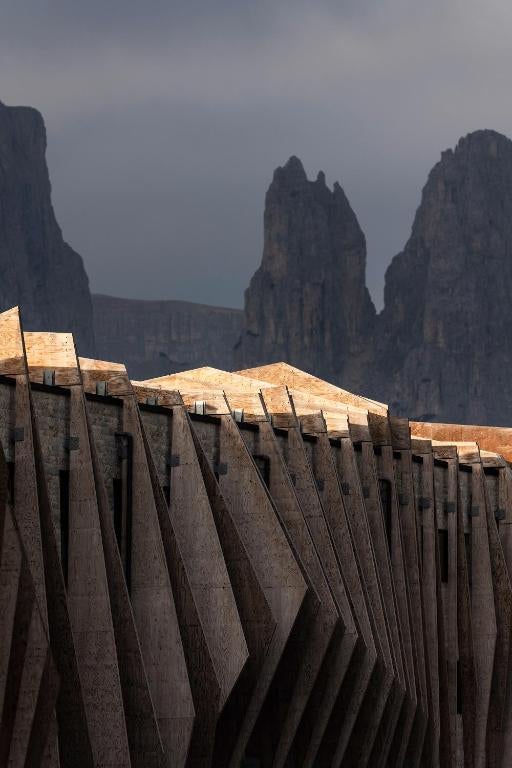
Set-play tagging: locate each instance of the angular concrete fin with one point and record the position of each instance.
(146, 749)
(373, 721)
(286, 375)
(330, 588)
(425, 505)
(393, 569)
(12, 361)
(204, 683)
(271, 555)
(74, 738)
(51, 356)
(26, 520)
(25, 491)
(18, 603)
(89, 603)
(364, 658)
(466, 661)
(32, 683)
(405, 490)
(500, 709)
(484, 629)
(253, 609)
(153, 605)
(321, 627)
(199, 543)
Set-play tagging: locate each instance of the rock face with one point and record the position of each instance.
(308, 304)
(441, 350)
(444, 348)
(153, 338)
(40, 272)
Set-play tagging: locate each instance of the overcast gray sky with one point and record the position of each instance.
(165, 120)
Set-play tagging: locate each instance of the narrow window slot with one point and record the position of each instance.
(10, 481)
(386, 501)
(117, 488)
(469, 557)
(263, 465)
(443, 554)
(459, 689)
(64, 521)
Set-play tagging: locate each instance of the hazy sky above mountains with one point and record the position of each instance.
(165, 120)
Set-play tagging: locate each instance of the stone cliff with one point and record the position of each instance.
(156, 337)
(40, 272)
(440, 350)
(444, 342)
(308, 303)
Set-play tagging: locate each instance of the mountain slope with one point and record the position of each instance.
(40, 272)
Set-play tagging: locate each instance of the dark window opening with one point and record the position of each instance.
(386, 501)
(167, 493)
(469, 557)
(10, 481)
(117, 488)
(263, 464)
(125, 454)
(64, 521)
(443, 554)
(459, 689)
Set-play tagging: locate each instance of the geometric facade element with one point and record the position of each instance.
(253, 568)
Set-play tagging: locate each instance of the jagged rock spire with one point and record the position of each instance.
(308, 303)
(445, 348)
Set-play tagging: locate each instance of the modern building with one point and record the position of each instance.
(244, 569)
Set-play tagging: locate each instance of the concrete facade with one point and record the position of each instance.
(244, 569)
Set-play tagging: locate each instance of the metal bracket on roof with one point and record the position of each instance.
(151, 400)
(238, 414)
(101, 388)
(49, 378)
(200, 407)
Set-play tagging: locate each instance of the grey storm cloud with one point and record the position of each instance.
(165, 120)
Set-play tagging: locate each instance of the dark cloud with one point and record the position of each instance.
(165, 120)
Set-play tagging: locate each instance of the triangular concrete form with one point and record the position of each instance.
(214, 568)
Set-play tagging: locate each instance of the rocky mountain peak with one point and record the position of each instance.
(308, 301)
(40, 272)
(445, 329)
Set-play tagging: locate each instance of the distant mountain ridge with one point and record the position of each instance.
(152, 337)
(440, 350)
